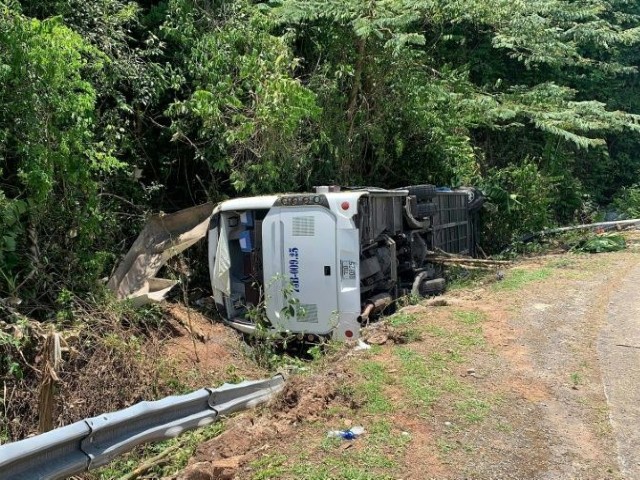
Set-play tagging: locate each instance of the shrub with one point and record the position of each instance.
(520, 200)
(627, 201)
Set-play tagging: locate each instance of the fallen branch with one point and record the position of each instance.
(473, 267)
(586, 226)
(466, 260)
(440, 254)
(152, 462)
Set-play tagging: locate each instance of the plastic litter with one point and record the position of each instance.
(362, 346)
(351, 434)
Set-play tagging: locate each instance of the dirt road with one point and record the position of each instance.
(619, 354)
(568, 328)
(532, 377)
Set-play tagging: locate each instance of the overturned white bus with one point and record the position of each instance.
(322, 263)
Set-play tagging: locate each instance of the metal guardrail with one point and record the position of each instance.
(96, 441)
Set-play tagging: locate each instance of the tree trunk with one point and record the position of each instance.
(352, 108)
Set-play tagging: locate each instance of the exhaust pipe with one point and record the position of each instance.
(375, 304)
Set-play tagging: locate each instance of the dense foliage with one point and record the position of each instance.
(112, 108)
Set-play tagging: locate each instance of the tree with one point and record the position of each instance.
(50, 159)
(245, 115)
(459, 88)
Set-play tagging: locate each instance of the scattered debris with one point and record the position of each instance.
(601, 243)
(182, 317)
(441, 302)
(198, 471)
(437, 302)
(226, 468)
(11, 301)
(361, 346)
(382, 333)
(378, 338)
(307, 397)
(304, 398)
(351, 434)
(467, 262)
(413, 309)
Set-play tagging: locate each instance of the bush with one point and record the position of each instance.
(627, 201)
(520, 200)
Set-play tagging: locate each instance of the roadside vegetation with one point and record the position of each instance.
(112, 109)
(456, 400)
(426, 385)
(430, 371)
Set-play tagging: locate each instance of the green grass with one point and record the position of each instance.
(189, 441)
(432, 378)
(563, 262)
(576, 379)
(401, 319)
(504, 427)
(459, 278)
(436, 331)
(418, 381)
(368, 462)
(445, 447)
(469, 334)
(473, 338)
(516, 278)
(405, 331)
(335, 471)
(269, 466)
(473, 410)
(371, 390)
(469, 317)
(425, 380)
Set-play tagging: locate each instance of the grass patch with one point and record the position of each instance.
(426, 380)
(368, 461)
(269, 466)
(431, 379)
(175, 463)
(371, 390)
(563, 262)
(504, 427)
(445, 447)
(518, 277)
(413, 382)
(459, 278)
(436, 331)
(402, 319)
(473, 338)
(576, 379)
(335, 471)
(469, 317)
(468, 336)
(473, 410)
